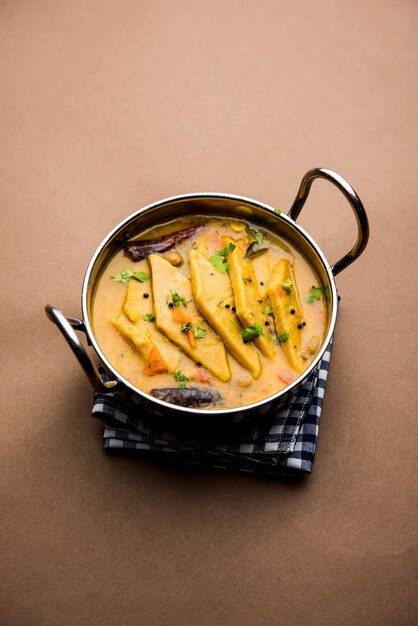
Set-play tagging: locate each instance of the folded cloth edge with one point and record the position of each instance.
(296, 457)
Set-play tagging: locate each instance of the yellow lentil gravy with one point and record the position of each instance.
(209, 312)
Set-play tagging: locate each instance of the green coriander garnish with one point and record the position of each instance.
(287, 285)
(178, 300)
(277, 211)
(283, 337)
(186, 327)
(148, 317)
(251, 332)
(126, 275)
(199, 332)
(219, 263)
(267, 310)
(181, 378)
(315, 294)
(225, 251)
(218, 259)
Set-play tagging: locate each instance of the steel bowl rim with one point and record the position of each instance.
(198, 411)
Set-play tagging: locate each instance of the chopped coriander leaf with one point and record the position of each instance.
(178, 300)
(315, 294)
(148, 317)
(251, 332)
(199, 332)
(186, 327)
(124, 276)
(218, 259)
(283, 337)
(287, 285)
(277, 211)
(181, 378)
(142, 277)
(219, 263)
(257, 235)
(225, 251)
(267, 310)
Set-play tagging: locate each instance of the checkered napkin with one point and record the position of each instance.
(283, 443)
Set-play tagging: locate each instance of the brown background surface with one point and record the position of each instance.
(108, 106)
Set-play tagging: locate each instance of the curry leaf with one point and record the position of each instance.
(257, 235)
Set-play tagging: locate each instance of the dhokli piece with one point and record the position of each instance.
(249, 302)
(154, 362)
(214, 298)
(138, 307)
(284, 297)
(177, 316)
(134, 298)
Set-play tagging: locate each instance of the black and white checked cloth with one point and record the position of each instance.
(282, 444)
